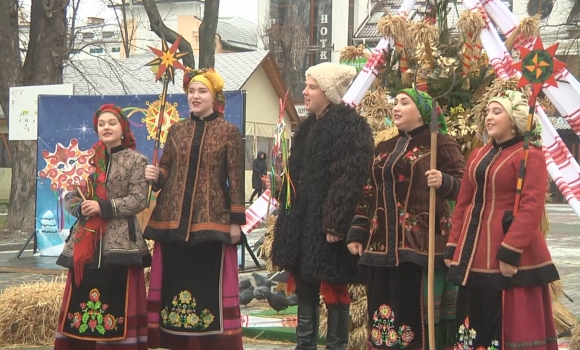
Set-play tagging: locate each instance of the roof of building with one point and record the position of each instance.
(238, 32)
(131, 77)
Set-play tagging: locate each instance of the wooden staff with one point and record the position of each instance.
(434, 128)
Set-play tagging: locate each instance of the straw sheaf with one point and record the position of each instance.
(147, 270)
(564, 320)
(422, 33)
(35, 319)
(498, 85)
(266, 251)
(471, 23)
(375, 107)
(575, 340)
(357, 339)
(351, 53)
(529, 27)
(548, 106)
(394, 27)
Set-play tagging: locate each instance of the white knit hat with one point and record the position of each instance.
(334, 79)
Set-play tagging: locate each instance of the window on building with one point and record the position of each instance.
(96, 50)
(107, 35)
(116, 49)
(88, 35)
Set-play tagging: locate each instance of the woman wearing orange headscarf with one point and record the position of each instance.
(104, 303)
(194, 293)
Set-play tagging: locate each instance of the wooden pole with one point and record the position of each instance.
(431, 260)
(160, 120)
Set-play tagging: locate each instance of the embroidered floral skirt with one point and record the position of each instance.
(397, 307)
(106, 312)
(517, 318)
(194, 297)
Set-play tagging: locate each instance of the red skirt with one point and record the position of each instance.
(515, 318)
(112, 315)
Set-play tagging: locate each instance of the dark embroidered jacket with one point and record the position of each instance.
(201, 180)
(392, 220)
(328, 165)
(127, 189)
(483, 234)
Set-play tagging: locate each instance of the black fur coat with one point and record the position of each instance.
(328, 166)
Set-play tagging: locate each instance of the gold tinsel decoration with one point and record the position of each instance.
(529, 27)
(471, 23)
(394, 27)
(351, 53)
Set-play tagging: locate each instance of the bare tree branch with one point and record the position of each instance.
(162, 31)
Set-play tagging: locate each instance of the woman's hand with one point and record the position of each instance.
(152, 173)
(355, 248)
(90, 208)
(235, 233)
(268, 183)
(434, 178)
(507, 270)
(447, 262)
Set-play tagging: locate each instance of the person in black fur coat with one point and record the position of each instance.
(328, 166)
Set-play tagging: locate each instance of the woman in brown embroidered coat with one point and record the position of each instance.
(392, 225)
(105, 307)
(502, 264)
(196, 224)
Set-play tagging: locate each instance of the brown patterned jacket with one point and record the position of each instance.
(201, 182)
(392, 219)
(127, 189)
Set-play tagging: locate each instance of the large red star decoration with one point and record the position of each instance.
(167, 59)
(538, 66)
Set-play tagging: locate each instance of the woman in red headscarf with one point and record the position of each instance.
(194, 293)
(104, 304)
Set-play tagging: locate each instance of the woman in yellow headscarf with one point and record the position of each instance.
(193, 295)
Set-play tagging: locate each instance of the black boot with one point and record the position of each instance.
(307, 329)
(337, 327)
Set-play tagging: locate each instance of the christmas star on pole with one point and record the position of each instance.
(538, 66)
(167, 59)
(166, 62)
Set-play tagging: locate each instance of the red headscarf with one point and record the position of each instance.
(88, 234)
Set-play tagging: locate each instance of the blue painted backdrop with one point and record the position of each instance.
(64, 118)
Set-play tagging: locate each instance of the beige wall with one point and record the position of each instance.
(4, 129)
(262, 105)
(188, 27)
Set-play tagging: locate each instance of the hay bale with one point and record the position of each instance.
(34, 321)
(575, 340)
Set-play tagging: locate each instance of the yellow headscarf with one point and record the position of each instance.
(211, 79)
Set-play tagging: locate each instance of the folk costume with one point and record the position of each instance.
(485, 232)
(104, 303)
(194, 295)
(392, 223)
(327, 166)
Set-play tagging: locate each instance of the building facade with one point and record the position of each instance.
(303, 33)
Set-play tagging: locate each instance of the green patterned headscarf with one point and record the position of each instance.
(424, 103)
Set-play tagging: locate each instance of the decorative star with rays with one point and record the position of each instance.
(538, 66)
(167, 59)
